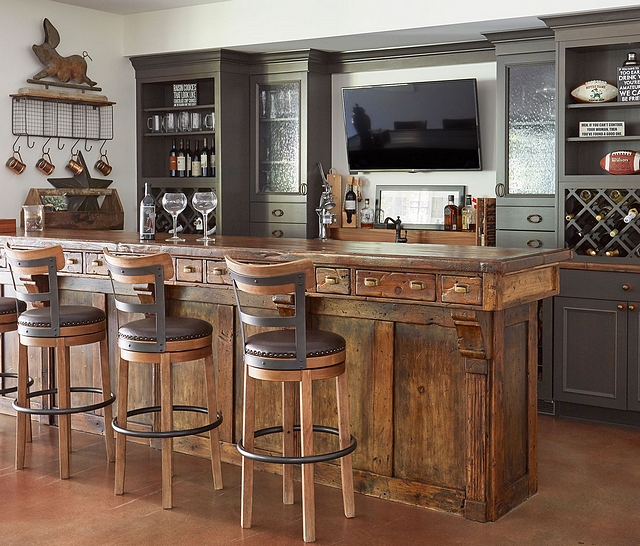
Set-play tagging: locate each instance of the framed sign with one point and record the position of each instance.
(185, 94)
(419, 207)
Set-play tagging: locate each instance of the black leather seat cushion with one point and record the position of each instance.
(70, 315)
(8, 306)
(282, 344)
(177, 329)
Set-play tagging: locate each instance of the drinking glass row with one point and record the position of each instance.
(181, 122)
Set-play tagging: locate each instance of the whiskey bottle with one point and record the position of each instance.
(366, 216)
(451, 215)
(468, 215)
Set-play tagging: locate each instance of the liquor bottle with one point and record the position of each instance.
(196, 166)
(147, 215)
(181, 161)
(451, 215)
(188, 158)
(350, 206)
(204, 158)
(173, 159)
(366, 215)
(468, 216)
(632, 212)
(632, 60)
(212, 158)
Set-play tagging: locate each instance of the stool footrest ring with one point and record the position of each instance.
(169, 433)
(307, 459)
(64, 411)
(8, 375)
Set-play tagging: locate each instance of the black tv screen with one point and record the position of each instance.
(420, 126)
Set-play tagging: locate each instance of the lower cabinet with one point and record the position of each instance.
(596, 337)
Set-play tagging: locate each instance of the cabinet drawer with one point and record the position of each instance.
(94, 264)
(406, 286)
(72, 262)
(278, 230)
(526, 218)
(217, 272)
(600, 285)
(188, 270)
(330, 280)
(467, 290)
(279, 212)
(526, 239)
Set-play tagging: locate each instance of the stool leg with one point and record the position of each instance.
(106, 394)
(248, 428)
(288, 440)
(306, 427)
(212, 407)
(166, 419)
(22, 419)
(346, 467)
(64, 401)
(121, 439)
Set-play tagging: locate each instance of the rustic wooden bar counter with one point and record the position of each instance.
(441, 355)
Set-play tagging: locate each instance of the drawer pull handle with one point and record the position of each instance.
(188, 269)
(331, 280)
(621, 306)
(633, 307)
(534, 218)
(277, 213)
(277, 233)
(72, 261)
(417, 285)
(461, 288)
(219, 270)
(96, 263)
(371, 281)
(534, 243)
(626, 287)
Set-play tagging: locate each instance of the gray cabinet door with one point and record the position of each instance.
(633, 357)
(590, 352)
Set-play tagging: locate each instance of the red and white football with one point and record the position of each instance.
(621, 162)
(595, 91)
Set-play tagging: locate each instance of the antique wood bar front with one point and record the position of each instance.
(441, 354)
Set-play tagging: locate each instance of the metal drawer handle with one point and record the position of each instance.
(534, 218)
(331, 280)
(277, 233)
(96, 263)
(534, 243)
(461, 288)
(371, 281)
(277, 213)
(72, 261)
(626, 287)
(417, 285)
(219, 270)
(188, 269)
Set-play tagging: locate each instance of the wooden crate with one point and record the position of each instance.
(7, 225)
(92, 215)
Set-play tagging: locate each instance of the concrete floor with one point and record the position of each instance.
(589, 493)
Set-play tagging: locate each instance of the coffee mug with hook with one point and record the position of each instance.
(15, 163)
(45, 165)
(102, 165)
(74, 165)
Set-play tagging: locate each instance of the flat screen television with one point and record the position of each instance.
(421, 126)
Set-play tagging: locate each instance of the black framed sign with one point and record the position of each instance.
(185, 94)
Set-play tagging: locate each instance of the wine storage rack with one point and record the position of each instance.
(589, 234)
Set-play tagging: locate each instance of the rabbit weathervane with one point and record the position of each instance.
(65, 69)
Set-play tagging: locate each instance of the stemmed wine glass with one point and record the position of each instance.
(204, 202)
(174, 204)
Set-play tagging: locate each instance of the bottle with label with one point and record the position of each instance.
(147, 215)
(350, 206)
(196, 166)
(173, 159)
(181, 161)
(212, 158)
(632, 60)
(204, 158)
(188, 155)
(366, 216)
(451, 215)
(468, 215)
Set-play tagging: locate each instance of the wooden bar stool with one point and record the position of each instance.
(290, 353)
(9, 323)
(49, 324)
(160, 340)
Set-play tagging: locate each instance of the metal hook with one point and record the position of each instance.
(74, 147)
(14, 146)
(85, 146)
(103, 153)
(60, 147)
(30, 145)
(48, 149)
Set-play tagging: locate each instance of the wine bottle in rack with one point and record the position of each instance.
(612, 252)
(586, 195)
(204, 158)
(586, 221)
(188, 158)
(602, 212)
(592, 251)
(196, 166)
(632, 212)
(575, 239)
(173, 159)
(181, 161)
(617, 227)
(616, 195)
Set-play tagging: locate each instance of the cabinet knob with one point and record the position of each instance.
(417, 285)
(219, 270)
(626, 287)
(277, 233)
(534, 218)
(621, 306)
(371, 281)
(277, 213)
(331, 280)
(633, 307)
(534, 243)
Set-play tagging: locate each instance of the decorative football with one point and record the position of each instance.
(621, 162)
(595, 91)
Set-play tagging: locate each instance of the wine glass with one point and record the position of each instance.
(204, 202)
(174, 204)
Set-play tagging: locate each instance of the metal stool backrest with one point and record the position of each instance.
(139, 270)
(275, 279)
(35, 280)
